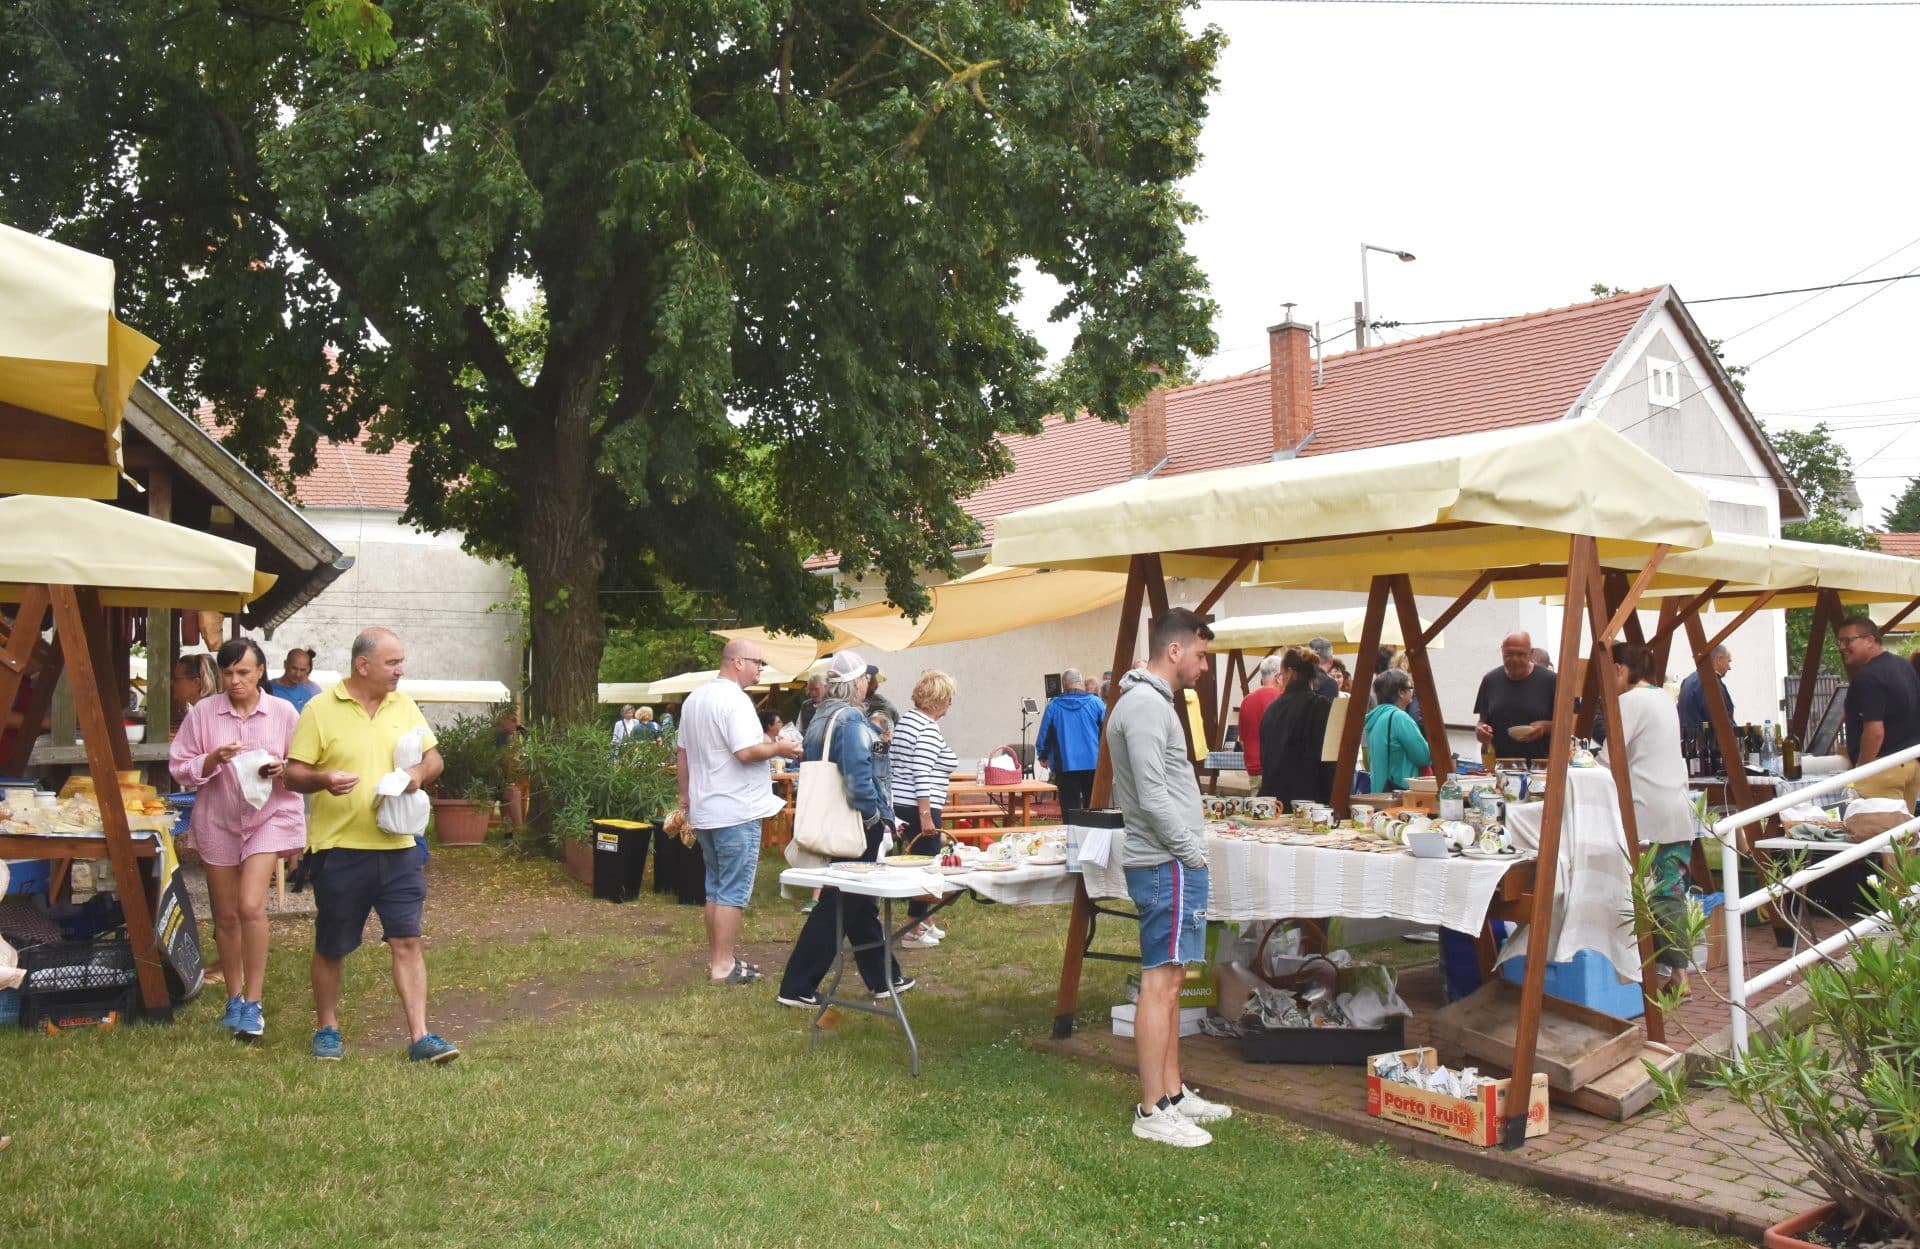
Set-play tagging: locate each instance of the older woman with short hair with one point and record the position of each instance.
(923, 764)
(1396, 749)
(858, 752)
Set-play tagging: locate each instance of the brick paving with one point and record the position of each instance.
(1717, 1167)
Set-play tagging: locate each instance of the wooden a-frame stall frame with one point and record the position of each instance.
(1505, 505)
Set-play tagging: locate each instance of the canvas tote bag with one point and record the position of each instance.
(823, 823)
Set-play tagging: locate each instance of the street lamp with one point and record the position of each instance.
(1364, 311)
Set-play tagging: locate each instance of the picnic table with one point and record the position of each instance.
(971, 799)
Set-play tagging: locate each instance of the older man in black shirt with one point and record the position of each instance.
(1516, 695)
(1883, 710)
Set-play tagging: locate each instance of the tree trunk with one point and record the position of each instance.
(561, 553)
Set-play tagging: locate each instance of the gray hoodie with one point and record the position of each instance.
(1153, 781)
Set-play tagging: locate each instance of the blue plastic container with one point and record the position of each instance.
(1589, 980)
(182, 804)
(28, 875)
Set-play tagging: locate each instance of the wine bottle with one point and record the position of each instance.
(1790, 757)
(1769, 753)
(1710, 747)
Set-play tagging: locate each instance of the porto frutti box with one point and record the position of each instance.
(1475, 1120)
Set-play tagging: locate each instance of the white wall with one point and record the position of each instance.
(420, 585)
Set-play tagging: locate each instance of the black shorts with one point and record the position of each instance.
(349, 883)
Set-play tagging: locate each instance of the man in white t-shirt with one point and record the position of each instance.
(726, 791)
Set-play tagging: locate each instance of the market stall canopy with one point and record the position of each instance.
(66, 365)
(1341, 626)
(134, 560)
(787, 652)
(667, 689)
(985, 602)
(1495, 500)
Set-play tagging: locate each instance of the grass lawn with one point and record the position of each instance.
(605, 1098)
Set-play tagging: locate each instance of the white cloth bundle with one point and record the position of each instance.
(399, 812)
(255, 788)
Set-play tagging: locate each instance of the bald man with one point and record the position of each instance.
(1516, 695)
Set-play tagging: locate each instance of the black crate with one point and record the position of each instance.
(1344, 1046)
(78, 981)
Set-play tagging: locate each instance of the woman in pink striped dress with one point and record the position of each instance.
(238, 843)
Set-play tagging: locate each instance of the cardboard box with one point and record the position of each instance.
(1201, 988)
(1189, 1020)
(1473, 1120)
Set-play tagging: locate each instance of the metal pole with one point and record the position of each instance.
(1366, 302)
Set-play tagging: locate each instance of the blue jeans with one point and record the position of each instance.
(1172, 901)
(732, 857)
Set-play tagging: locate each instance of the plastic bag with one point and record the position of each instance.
(255, 788)
(399, 812)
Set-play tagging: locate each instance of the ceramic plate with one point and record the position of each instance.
(1489, 854)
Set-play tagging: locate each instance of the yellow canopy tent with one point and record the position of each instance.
(987, 601)
(1562, 495)
(66, 367)
(68, 556)
(786, 652)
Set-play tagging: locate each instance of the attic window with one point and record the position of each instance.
(1663, 383)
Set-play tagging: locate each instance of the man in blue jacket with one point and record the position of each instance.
(1069, 741)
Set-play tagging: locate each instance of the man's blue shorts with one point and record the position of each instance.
(1172, 901)
(732, 856)
(349, 883)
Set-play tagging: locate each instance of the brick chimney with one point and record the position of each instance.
(1147, 432)
(1290, 386)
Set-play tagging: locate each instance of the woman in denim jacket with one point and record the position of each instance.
(862, 758)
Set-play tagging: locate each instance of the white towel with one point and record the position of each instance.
(399, 812)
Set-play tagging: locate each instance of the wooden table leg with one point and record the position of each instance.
(1078, 925)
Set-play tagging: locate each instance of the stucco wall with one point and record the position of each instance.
(422, 586)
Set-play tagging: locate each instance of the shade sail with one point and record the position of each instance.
(787, 652)
(66, 365)
(987, 601)
(1342, 626)
(134, 560)
(1498, 499)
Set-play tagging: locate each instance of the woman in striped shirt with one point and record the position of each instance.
(922, 765)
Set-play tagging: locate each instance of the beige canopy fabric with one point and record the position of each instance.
(1501, 499)
(987, 601)
(65, 356)
(134, 560)
(788, 652)
(619, 693)
(1341, 626)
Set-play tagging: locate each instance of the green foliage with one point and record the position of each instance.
(578, 778)
(775, 252)
(1823, 470)
(649, 654)
(475, 768)
(1904, 515)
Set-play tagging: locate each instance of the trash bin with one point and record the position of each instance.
(619, 858)
(690, 882)
(666, 860)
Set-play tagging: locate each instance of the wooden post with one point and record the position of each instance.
(1580, 558)
(1599, 608)
(1433, 723)
(1738, 792)
(33, 717)
(71, 607)
(100, 649)
(1663, 633)
(1348, 758)
(1458, 605)
(1080, 920)
(1826, 616)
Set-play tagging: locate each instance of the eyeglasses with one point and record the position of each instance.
(1848, 639)
(754, 659)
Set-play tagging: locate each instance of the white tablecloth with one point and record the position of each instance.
(1023, 886)
(1251, 880)
(1592, 908)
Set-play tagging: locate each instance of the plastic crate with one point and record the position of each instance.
(28, 875)
(1589, 980)
(77, 981)
(9, 1008)
(1347, 1046)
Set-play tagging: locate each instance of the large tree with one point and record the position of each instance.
(664, 292)
(1904, 515)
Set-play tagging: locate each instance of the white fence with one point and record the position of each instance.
(1738, 905)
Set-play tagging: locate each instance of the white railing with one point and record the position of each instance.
(1738, 905)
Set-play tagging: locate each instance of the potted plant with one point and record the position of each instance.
(470, 780)
(578, 778)
(1841, 1086)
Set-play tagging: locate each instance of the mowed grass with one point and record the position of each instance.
(681, 1116)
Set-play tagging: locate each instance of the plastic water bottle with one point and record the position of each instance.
(1452, 800)
(1766, 747)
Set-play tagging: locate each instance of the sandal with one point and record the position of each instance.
(741, 974)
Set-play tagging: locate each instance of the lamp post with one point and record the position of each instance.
(1365, 310)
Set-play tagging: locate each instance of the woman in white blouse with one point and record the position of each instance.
(1662, 810)
(922, 764)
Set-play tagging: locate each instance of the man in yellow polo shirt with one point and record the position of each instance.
(342, 746)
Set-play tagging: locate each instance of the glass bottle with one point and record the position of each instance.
(1452, 800)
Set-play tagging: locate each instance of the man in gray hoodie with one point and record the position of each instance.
(1165, 858)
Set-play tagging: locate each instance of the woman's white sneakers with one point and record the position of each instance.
(1199, 1109)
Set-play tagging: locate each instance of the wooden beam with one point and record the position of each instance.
(1156, 587)
(1458, 605)
(1227, 582)
(1631, 601)
(1899, 616)
(1602, 661)
(1581, 557)
(1432, 722)
(1746, 614)
(1826, 616)
(1080, 919)
(1692, 606)
(98, 728)
(1738, 792)
(33, 717)
(1662, 641)
(1348, 757)
(100, 649)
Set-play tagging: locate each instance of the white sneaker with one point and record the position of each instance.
(936, 932)
(919, 941)
(1169, 1127)
(1197, 1109)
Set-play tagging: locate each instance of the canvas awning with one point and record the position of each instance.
(786, 652)
(1341, 626)
(987, 601)
(66, 365)
(134, 560)
(1495, 500)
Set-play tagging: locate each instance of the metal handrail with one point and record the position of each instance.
(1738, 905)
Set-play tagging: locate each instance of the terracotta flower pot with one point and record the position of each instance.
(458, 822)
(577, 857)
(1787, 1234)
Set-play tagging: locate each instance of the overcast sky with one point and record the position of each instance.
(1523, 154)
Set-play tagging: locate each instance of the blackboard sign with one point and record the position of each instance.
(177, 939)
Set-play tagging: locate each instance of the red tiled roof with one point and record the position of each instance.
(1065, 458)
(1907, 544)
(345, 474)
